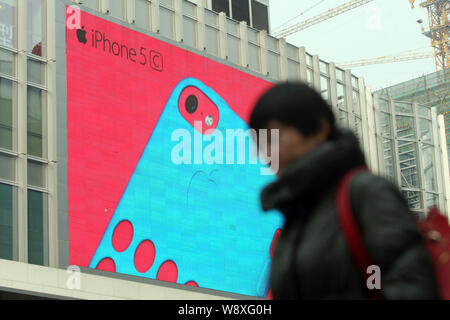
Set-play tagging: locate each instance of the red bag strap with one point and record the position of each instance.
(350, 227)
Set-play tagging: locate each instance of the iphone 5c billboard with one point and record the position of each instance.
(141, 201)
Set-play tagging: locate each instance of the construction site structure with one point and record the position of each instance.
(431, 90)
(439, 30)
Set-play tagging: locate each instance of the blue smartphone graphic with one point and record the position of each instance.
(206, 218)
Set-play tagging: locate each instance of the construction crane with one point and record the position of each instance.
(320, 18)
(386, 59)
(439, 31)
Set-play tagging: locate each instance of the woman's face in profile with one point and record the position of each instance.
(292, 144)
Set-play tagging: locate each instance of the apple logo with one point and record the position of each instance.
(81, 35)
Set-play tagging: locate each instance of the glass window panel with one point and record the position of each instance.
(273, 65)
(405, 143)
(36, 174)
(358, 129)
(408, 164)
(233, 27)
(292, 52)
(386, 124)
(233, 49)
(383, 105)
(426, 133)
(116, 8)
(410, 177)
(142, 13)
(7, 167)
(253, 36)
(36, 123)
(260, 14)
(221, 6)
(7, 65)
(309, 60)
(309, 76)
(8, 100)
(293, 70)
(356, 103)
(8, 23)
(340, 95)
(254, 57)
(339, 74)
(8, 210)
(324, 87)
(37, 227)
(36, 71)
(432, 200)
(414, 199)
(190, 32)
(428, 165)
(211, 18)
(166, 20)
(272, 44)
(189, 9)
(166, 3)
(35, 27)
(343, 118)
(212, 44)
(388, 147)
(93, 4)
(323, 67)
(355, 82)
(424, 111)
(405, 127)
(241, 11)
(403, 107)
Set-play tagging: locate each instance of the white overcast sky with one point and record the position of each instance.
(379, 28)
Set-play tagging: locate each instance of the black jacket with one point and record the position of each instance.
(312, 259)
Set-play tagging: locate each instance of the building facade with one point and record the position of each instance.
(254, 12)
(431, 90)
(414, 152)
(35, 185)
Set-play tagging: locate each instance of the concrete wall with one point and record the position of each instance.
(56, 283)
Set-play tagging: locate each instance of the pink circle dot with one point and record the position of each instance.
(122, 236)
(168, 271)
(144, 256)
(107, 264)
(192, 283)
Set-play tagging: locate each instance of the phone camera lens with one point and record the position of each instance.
(209, 121)
(191, 104)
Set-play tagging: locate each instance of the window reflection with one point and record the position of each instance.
(116, 8)
(37, 227)
(35, 28)
(142, 13)
(166, 22)
(36, 122)
(7, 101)
(8, 26)
(8, 196)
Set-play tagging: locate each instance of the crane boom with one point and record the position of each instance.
(386, 59)
(321, 17)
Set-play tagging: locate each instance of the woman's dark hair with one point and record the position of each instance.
(294, 104)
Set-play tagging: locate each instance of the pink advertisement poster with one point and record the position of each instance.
(118, 83)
